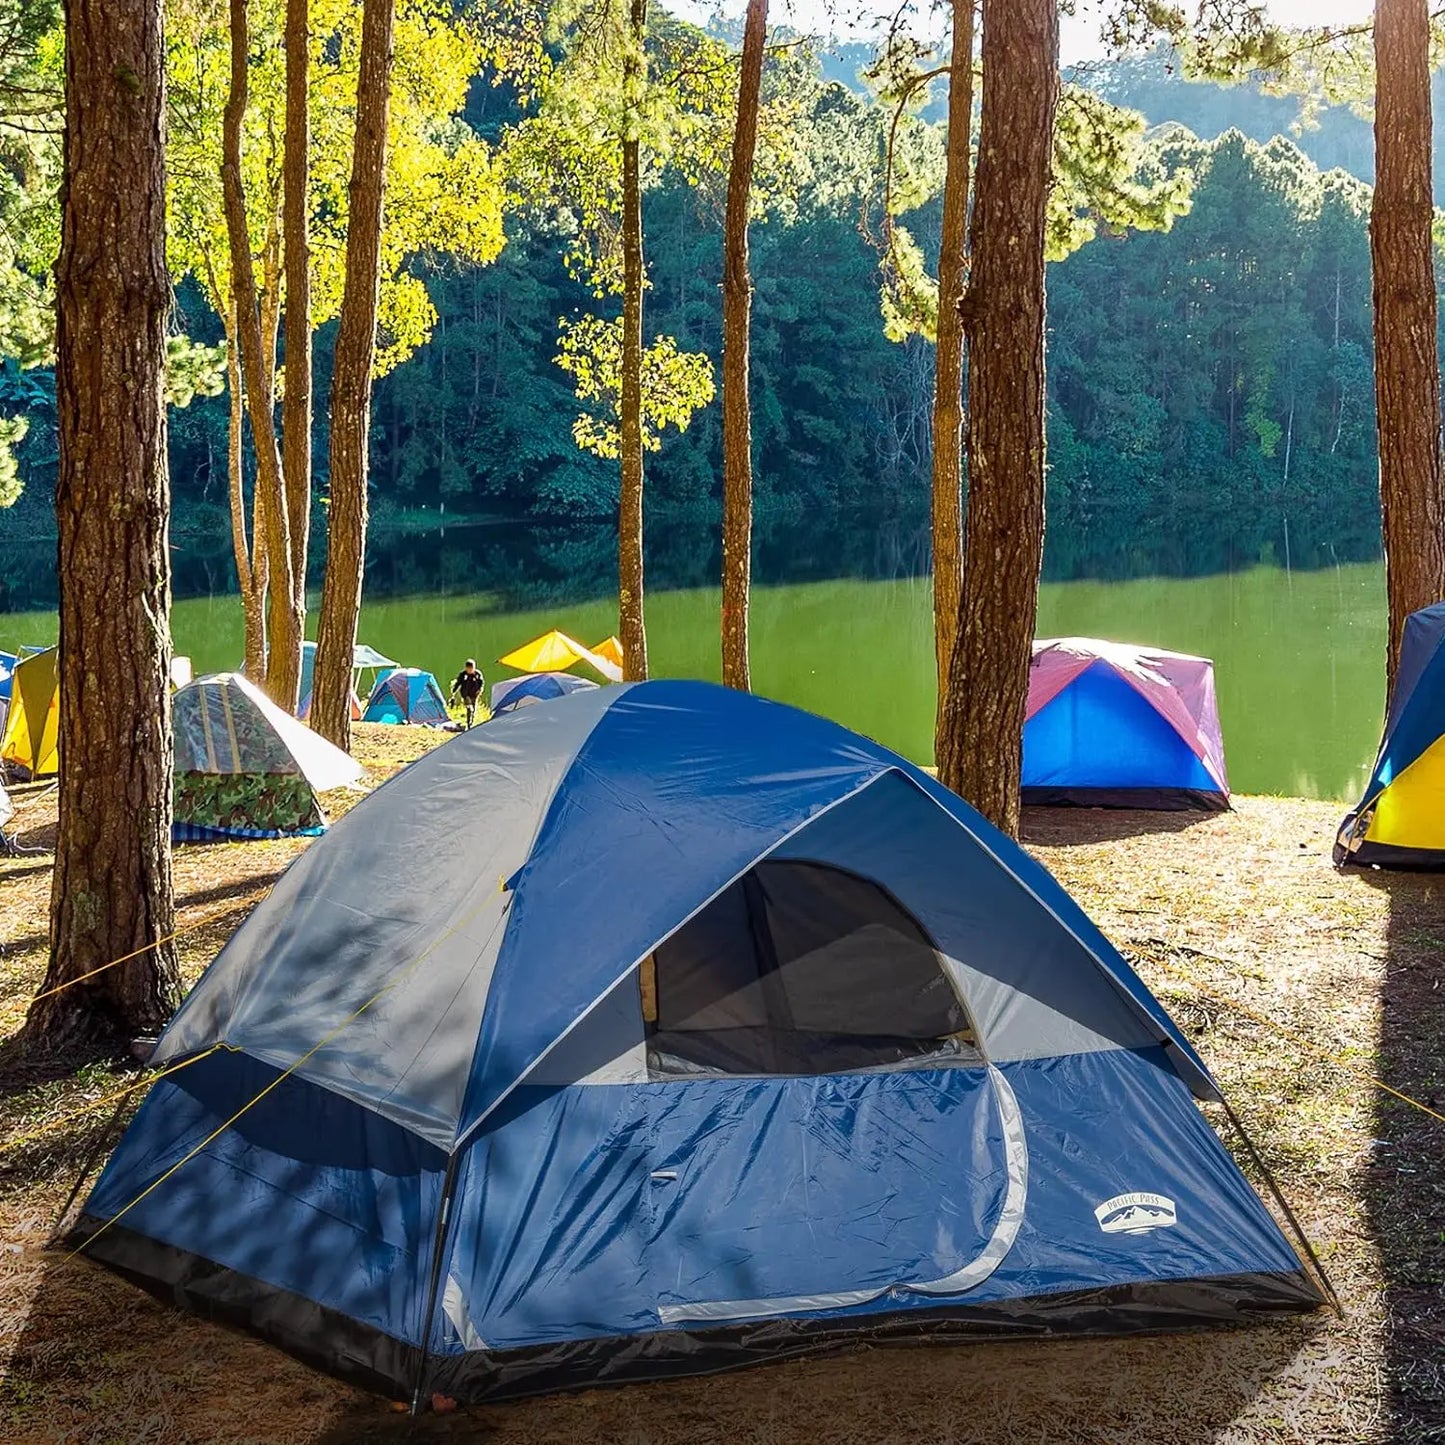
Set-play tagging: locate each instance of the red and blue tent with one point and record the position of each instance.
(1115, 726)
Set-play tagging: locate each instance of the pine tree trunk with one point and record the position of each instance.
(737, 430)
(1407, 369)
(632, 627)
(981, 732)
(296, 402)
(111, 893)
(250, 575)
(286, 622)
(948, 360)
(351, 383)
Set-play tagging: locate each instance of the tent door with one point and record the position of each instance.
(778, 1196)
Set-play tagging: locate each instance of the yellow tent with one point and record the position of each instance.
(556, 652)
(611, 649)
(32, 730)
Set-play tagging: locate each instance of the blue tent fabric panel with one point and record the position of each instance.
(306, 1191)
(1104, 1125)
(1419, 647)
(1099, 732)
(602, 1205)
(643, 1196)
(7, 673)
(1417, 718)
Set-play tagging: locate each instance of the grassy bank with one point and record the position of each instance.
(1262, 952)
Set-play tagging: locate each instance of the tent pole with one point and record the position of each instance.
(87, 1165)
(1318, 1269)
(449, 1180)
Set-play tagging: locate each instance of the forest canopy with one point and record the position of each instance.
(1210, 397)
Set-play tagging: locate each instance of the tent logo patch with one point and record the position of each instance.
(1135, 1213)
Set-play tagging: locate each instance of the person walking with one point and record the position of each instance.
(468, 687)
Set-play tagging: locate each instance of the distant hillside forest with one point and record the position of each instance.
(1211, 394)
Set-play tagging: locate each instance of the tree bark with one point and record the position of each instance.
(1407, 368)
(632, 626)
(981, 732)
(296, 402)
(948, 359)
(351, 383)
(737, 430)
(251, 573)
(111, 893)
(287, 623)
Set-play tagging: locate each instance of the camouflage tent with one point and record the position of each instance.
(244, 769)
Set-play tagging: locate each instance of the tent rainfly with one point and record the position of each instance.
(30, 745)
(1400, 820)
(1114, 726)
(513, 692)
(407, 695)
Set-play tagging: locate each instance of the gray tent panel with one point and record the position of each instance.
(402, 922)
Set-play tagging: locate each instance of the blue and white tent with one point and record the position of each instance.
(661, 1030)
(513, 692)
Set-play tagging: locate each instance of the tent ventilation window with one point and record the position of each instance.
(799, 968)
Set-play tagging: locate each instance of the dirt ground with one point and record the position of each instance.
(1298, 984)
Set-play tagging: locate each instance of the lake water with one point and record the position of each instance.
(1298, 655)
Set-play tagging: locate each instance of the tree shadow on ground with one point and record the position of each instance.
(243, 890)
(1179, 1388)
(1050, 827)
(1404, 1184)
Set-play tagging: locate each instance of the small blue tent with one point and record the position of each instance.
(1400, 821)
(513, 692)
(407, 695)
(663, 1029)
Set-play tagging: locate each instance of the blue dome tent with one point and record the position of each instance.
(663, 1030)
(513, 692)
(407, 695)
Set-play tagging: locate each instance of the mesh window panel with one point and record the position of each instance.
(801, 968)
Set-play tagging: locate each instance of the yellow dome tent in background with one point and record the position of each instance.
(32, 730)
(556, 652)
(611, 649)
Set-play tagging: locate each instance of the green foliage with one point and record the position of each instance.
(1211, 391)
(674, 384)
(1107, 176)
(564, 161)
(12, 432)
(443, 190)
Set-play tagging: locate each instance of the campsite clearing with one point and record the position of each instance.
(1240, 926)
